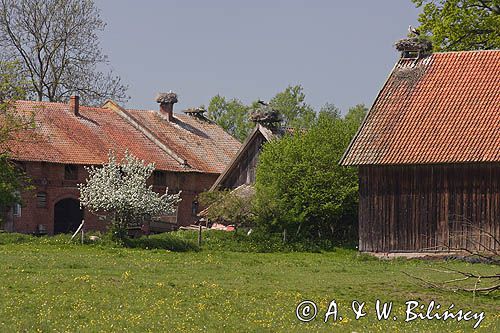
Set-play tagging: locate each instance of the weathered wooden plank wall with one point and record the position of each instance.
(244, 171)
(427, 207)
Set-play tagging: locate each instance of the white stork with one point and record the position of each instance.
(413, 30)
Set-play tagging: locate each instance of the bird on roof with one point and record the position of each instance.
(261, 102)
(413, 30)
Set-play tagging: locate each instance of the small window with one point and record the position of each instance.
(41, 199)
(160, 178)
(21, 166)
(17, 210)
(194, 207)
(70, 172)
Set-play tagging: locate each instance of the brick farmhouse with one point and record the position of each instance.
(188, 150)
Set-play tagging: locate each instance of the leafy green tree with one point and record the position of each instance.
(300, 186)
(356, 114)
(232, 115)
(458, 25)
(12, 179)
(120, 188)
(291, 104)
(329, 110)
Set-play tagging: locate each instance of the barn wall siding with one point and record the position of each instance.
(245, 170)
(429, 207)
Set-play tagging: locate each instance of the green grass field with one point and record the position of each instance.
(57, 287)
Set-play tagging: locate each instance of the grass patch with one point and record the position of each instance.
(257, 241)
(50, 285)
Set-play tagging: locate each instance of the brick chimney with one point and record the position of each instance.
(167, 101)
(74, 105)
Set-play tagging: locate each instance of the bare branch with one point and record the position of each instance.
(57, 44)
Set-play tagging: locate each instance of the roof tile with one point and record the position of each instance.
(62, 137)
(444, 108)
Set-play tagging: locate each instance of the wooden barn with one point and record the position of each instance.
(242, 168)
(428, 155)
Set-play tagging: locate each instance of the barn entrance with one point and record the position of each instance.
(67, 216)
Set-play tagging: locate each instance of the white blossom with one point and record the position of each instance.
(121, 189)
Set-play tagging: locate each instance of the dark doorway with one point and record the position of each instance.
(67, 216)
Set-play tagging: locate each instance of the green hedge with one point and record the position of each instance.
(257, 241)
(167, 241)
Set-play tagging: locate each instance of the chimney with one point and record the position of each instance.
(74, 105)
(167, 101)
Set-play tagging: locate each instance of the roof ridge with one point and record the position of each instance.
(465, 51)
(55, 103)
(122, 112)
(231, 165)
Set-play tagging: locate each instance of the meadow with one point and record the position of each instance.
(48, 285)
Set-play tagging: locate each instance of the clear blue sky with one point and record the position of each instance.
(340, 51)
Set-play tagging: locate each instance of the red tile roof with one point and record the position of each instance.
(203, 144)
(444, 108)
(62, 137)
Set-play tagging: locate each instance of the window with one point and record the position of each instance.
(41, 199)
(194, 207)
(17, 210)
(70, 172)
(159, 178)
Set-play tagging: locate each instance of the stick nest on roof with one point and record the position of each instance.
(167, 98)
(265, 115)
(415, 44)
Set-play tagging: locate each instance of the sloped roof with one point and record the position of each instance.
(202, 143)
(258, 129)
(443, 108)
(61, 137)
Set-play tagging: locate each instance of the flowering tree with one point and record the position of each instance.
(121, 189)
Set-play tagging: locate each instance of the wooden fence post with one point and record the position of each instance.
(199, 236)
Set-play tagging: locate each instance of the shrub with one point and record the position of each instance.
(257, 241)
(14, 238)
(166, 241)
(230, 207)
(301, 188)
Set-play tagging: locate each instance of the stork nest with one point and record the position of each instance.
(167, 98)
(195, 110)
(265, 115)
(415, 44)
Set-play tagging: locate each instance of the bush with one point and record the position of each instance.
(167, 241)
(301, 188)
(258, 241)
(14, 238)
